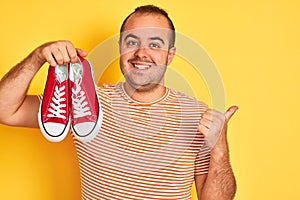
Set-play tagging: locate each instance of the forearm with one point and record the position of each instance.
(14, 85)
(220, 183)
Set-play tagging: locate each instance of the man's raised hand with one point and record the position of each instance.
(213, 124)
(58, 53)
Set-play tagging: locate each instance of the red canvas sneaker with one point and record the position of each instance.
(53, 116)
(85, 109)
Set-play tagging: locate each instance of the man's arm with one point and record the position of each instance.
(16, 107)
(219, 183)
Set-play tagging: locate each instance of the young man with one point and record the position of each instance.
(153, 141)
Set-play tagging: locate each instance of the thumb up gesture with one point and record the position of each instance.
(213, 125)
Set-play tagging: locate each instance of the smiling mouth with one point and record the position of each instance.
(141, 66)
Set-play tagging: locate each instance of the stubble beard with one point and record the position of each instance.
(155, 80)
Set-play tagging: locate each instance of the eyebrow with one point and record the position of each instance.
(151, 38)
(157, 38)
(130, 36)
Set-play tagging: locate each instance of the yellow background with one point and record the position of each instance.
(254, 44)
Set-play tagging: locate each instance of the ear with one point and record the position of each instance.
(171, 55)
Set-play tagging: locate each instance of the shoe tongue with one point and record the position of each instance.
(77, 68)
(61, 73)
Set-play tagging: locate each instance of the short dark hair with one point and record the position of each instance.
(151, 9)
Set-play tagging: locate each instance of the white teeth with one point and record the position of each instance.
(142, 66)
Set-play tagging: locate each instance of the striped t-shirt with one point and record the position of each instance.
(143, 150)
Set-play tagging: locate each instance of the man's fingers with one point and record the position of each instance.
(229, 113)
(50, 59)
(212, 122)
(60, 56)
(60, 53)
(205, 122)
(81, 52)
(208, 114)
(203, 129)
(71, 52)
(66, 52)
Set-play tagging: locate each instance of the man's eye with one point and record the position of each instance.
(131, 43)
(154, 46)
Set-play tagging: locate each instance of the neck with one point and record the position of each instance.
(144, 94)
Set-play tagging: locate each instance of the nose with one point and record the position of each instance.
(141, 52)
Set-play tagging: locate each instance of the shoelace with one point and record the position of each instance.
(58, 103)
(80, 105)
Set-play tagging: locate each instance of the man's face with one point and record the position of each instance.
(145, 53)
